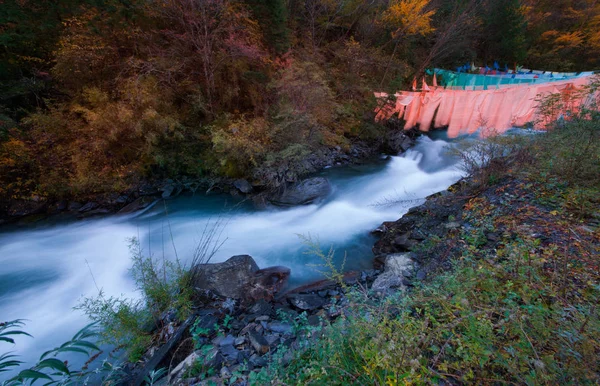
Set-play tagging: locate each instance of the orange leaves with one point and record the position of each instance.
(409, 17)
(571, 39)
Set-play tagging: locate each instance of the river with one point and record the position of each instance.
(46, 269)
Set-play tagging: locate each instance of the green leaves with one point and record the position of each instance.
(7, 361)
(7, 330)
(47, 368)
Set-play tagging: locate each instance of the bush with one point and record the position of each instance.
(496, 318)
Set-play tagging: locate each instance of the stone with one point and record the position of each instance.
(386, 281)
(243, 186)
(314, 320)
(257, 361)
(230, 353)
(306, 302)
(398, 142)
(302, 193)
(267, 282)
(452, 225)
(138, 204)
(262, 318)
(421, 274)
(229, 279)
(396, 265)
(379, 230)
(403, 242)
(167, 191)
(258, 342)
(180, 369)
(228, 340)
(279, 327)
(261, 307)
(225, 373)
(95, 212)
(273, 339)
(240, 340)
(87, 207)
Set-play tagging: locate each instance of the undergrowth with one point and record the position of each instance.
(520, 310)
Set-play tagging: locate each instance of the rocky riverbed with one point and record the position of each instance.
(246, 322)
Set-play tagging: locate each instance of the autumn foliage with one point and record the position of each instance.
(98, 95)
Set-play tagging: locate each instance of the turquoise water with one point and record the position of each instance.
(45, 270)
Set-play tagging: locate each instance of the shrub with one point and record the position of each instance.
(495, 318)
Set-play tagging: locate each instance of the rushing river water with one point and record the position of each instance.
(45, 270)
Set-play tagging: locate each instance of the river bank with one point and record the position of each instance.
(447, 261)
(263, 187)
(52, 265)
(249, 322)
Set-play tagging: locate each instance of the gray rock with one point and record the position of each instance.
(267, 282)
(306, 302)
(228, 279)
(386, 281)
(180, 369)
(272, 339)
(314, 320)
(258, 342)
(228, 340)
(138, 204)
(261, 307)
(212, 358)
(240, 340)
(87, 207)
(452, 225)
(421, 274)
(225, 373)
(403, 242)
(257, 361)
(167, 191)
(396, 265)
(380, 230)
(282, 328)
(243, 186)
(303, 193)
(398, 142)
(230, 353)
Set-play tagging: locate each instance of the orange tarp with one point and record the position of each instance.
(466, 111)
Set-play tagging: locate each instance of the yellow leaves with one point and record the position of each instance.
(571, 39)
(409, 17)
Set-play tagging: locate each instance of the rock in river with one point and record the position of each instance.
(302, 193)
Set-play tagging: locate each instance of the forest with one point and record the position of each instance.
(97, 96)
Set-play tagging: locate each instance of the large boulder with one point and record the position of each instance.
(228, 279)
(398, 142)
(240, 278)
(302, 193)
(243, 186)
(267, 282)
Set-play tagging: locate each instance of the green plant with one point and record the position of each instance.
(155, 375)
(49, 368)
(328, 268)
(164, 285)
